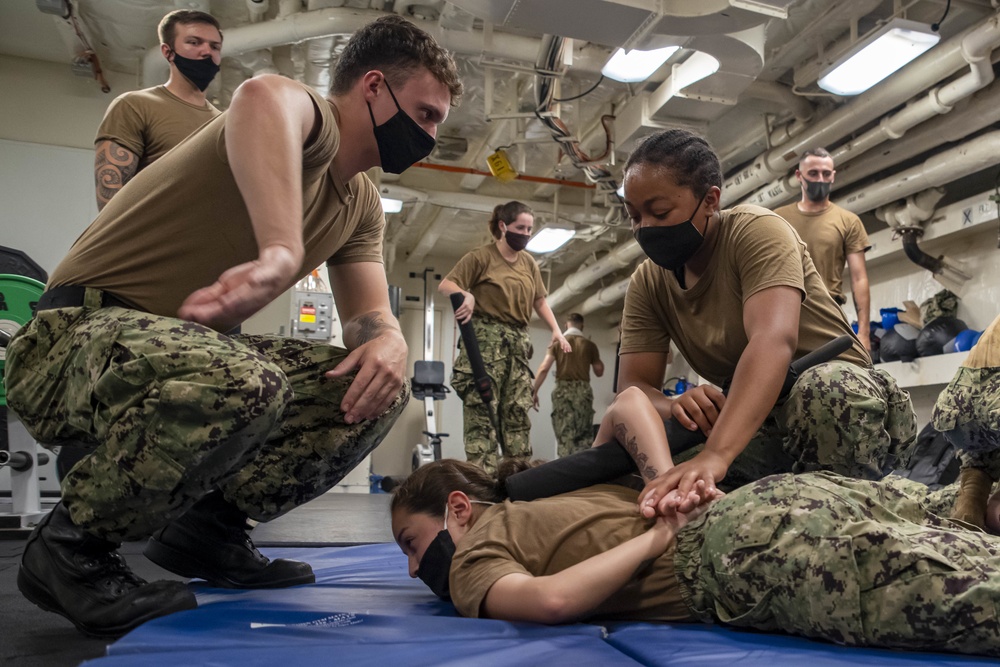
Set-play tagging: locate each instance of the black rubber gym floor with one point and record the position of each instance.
(34, 638)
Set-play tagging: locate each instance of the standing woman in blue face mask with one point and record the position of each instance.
(737, 293)
(501, 284)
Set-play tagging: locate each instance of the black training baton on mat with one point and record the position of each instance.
(609, 461)
(482, 382)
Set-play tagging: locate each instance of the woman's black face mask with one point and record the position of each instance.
(435, 564)
(671, 246)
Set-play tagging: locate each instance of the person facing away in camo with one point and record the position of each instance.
(573, 397)
(192, 430)
(501, 286)
(738, 294)
(856, 562)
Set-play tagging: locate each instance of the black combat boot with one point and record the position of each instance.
(84, 578)
(210, 542)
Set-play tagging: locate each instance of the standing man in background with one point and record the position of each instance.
(140, 126)
(573, 398)
(832, 235)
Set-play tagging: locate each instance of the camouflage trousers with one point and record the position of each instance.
(573, 416)
(174, 409)
(856, 562)
(968, 413)
(839, 417)
(505, 351)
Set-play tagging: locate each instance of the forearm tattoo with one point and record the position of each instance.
(647, 471)
(114, 166)
(365, 328)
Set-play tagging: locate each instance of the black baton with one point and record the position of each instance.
(479, 377)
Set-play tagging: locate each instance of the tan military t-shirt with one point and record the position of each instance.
(182, 222)
(986, 352)
(504, 290)
(831, 236)
(152, 121)
(546, 536)
(575, 365)
(755, 250)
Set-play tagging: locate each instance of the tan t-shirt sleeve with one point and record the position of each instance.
(123, 125)
(856, 238)
(540, 290)
(642, 330)
(365, 243)
(468, 271)
(474, 572)
(768, 253)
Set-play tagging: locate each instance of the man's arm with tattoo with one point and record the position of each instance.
(377, 349)
(366, 328)
(114, 166)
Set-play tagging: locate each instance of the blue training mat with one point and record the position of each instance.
(364, 609)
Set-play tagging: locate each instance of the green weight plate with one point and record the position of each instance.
(18, 297)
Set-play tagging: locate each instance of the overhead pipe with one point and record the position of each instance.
(976, 49)
(931, 67)
(972, 156)
(301, 26)
(979, 111)
(945, 167)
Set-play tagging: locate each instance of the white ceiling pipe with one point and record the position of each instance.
(468, 201)
(931, 67)
(345, 21)
(943, 168)
(609, 296)
(916, 210)
(581, 281)
(976, 49)
(983, 109)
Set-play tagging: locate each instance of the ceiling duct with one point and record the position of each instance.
(740, 57)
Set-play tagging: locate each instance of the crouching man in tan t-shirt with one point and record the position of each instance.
(193, 431)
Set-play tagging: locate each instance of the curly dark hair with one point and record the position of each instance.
(687, 156)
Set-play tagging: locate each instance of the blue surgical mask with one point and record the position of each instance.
(401, 141)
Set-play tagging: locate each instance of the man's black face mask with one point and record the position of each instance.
(401, 142)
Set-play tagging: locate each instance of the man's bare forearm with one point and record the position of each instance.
(367, 327)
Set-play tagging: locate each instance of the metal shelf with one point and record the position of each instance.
(924, 371)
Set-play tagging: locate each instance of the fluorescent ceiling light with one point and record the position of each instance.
(877, 55)
(390, 205)
(636, 65)
(549, 239)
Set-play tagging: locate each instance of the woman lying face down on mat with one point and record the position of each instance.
(860, 563)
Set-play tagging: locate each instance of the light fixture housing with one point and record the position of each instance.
(390, 205)
(635, 65)
(551, 238)
(876, 56)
